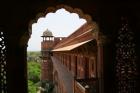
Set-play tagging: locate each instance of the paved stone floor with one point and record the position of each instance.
(64, 75)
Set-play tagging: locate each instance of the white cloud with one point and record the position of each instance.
(61, 23)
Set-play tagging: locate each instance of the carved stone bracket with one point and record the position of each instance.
(99, 36)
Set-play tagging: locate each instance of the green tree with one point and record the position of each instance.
(34, 71)
(33, 76)
(31, 87)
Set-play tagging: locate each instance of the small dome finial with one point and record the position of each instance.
(47, 33)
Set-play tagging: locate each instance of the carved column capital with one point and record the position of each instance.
(101, 40)
(99, 36)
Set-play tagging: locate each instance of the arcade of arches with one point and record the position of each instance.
(117, 21)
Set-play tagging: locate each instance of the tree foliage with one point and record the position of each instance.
(33, 56)
(47, 86)
(34, 70)
(31, 87)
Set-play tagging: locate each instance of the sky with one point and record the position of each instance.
(61, 24)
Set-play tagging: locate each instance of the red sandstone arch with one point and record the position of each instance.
(98, 35)
(54, 9)
(87, 17)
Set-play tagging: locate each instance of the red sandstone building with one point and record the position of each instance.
(74, 64)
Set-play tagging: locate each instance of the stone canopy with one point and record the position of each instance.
(47, 33)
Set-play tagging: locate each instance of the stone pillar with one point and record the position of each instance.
(17, 65)
(100, 64)
(100, 67)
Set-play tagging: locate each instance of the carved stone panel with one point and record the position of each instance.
(126, 70)
(3, 64)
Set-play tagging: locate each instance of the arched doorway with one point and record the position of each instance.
(96, 34)
(76, 10)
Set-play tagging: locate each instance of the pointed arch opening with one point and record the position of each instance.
(56, 21)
